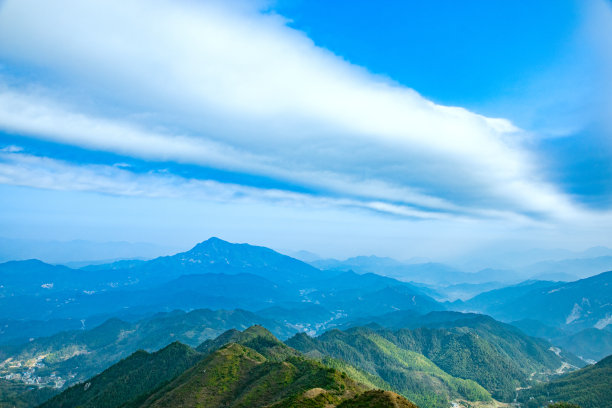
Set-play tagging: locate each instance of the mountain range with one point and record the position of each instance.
(63, 328)
(495, 355)
(573, 306)
(447, 279)
(214, 274)
(238, 369)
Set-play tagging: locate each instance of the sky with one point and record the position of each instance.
(404, 129)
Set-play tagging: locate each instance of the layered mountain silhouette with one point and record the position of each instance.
(201, 328)
(573, 306)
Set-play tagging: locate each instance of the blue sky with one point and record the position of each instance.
(409, 129)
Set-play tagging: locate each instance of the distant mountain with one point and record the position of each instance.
(428, 273)
(361, 264)
(499, 257)
(77, 251)
(494, 298)
(368, 294)
(592, 344)
(185, 292)
(36, 278)
(431, 273)
(568, 269)
(570, 305)
(463, 291)
(217, 256)
(76, 355)
(535, 328)
(350, 294)
(214, 274)
(305, 256)
(589, 388)
(238, 369)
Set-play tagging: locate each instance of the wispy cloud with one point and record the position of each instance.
(207, 84)
(22, 169)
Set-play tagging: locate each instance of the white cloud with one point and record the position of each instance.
(20, 169)
(238, 89)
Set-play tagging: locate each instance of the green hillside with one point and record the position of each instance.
(16, 394)
(255, 337)
(590, 387)
(407, 372)
(239, 376)
(77, 355)
(126, 380)
(496, 355)
(225, 372)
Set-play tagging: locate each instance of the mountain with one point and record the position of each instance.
(27, 285)
(500, 257)
(378, 399)
(572, 306)
(428, 272)
(186, 292)
(304, 316)
(68, 357)
(16, 394)
(589, 388)
(487, 302)
(592, 344)
(462, 291)
(76, 251)
(535, 328)
(568, 269)
(255, 337)
(496, 355)
(217, 256)
(238, 369)
(129, 378)
(239, 376)
(35, 278)
(361, 264)
(368, 294)
(305, 256)
(21, 331)
(407, 372)
(214, 274)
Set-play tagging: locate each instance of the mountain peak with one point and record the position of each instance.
(211, 242)
(258, 331)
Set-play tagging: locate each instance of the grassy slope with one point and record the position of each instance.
(378, 399)
(238, 376)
